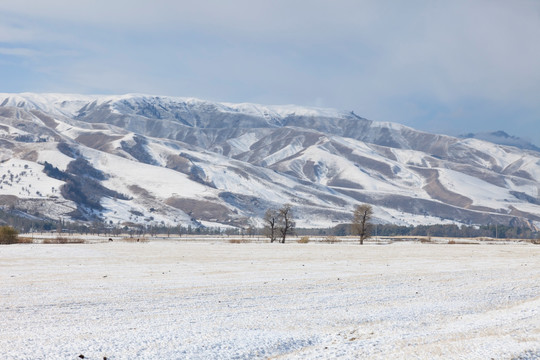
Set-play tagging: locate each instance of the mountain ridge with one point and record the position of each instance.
(201, 162)
(502, 138)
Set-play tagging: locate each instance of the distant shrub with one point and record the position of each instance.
(303, 240)
(25, 240)
(426, 240)
(238, 241)
(132, 239)
(63, 240)
(8, 235)
(465, 242)
(331, 239)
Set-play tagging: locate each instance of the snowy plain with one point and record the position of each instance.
(218, 300)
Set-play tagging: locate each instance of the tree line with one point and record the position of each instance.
(278, 225)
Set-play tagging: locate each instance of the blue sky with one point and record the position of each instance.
(441, 66)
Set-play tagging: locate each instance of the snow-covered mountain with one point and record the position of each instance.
(502, 138)
(152, 159)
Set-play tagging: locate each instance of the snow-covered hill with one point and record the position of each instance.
(502, 138)
(165, 160)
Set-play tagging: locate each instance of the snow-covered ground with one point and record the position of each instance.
(217, 300)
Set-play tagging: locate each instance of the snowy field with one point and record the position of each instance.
(217, 300)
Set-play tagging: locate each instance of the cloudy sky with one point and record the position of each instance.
(442, 66)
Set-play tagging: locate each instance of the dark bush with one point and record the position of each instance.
(68, 150)
(8, 235)
(54, 172)
(82, 167)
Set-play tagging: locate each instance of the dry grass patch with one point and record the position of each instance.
(238, 241)
(64, 240)
(457, 242)
(331, 240)
(25, 240)
(132, 239)
(303, 240)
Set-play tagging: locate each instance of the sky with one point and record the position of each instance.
(451, 67)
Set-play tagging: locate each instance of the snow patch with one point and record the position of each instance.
(26, 180)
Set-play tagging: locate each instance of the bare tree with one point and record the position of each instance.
(250, 231)
(361, 225)
(270, 224)
(286, 223)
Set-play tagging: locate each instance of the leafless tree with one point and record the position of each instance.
(286, 223)
(361, 225)
(270, 224)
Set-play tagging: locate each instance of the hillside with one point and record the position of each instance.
(164, 160)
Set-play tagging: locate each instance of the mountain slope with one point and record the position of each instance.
(172, 160)
(502, 138)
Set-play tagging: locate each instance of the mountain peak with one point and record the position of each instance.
(502, 138)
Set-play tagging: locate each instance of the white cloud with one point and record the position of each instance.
(24, 52)
(10, 33)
